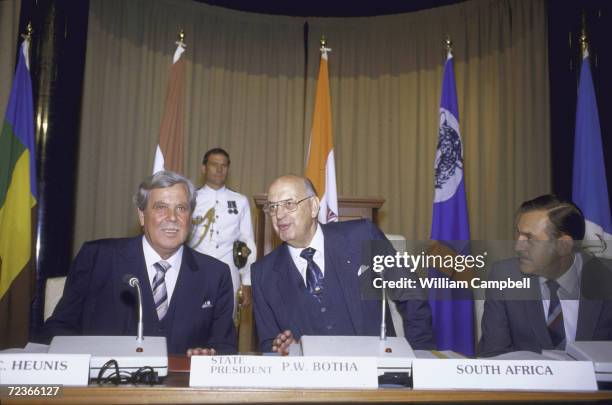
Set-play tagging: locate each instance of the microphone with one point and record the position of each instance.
(128, 355)
(133, 282)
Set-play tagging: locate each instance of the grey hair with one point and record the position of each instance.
(163, 179)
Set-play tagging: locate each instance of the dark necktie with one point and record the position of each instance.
(554, 321)
(314, 275)
(160, 296)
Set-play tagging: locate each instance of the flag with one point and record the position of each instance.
(453, 313)
(320, 166)
(169, 151)
(18, 197)
(589, 186)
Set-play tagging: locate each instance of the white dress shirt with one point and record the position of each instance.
(569, 296)
(152, 257)
(318, 244)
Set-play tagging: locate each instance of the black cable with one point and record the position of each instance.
(144, 375)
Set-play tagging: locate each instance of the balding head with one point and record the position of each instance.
(295, 227)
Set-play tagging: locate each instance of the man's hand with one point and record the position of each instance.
(281, 344)
(198, 351)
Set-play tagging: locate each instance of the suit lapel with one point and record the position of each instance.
(535, 313)
(186, 290)
(130, 260)
(342, 258)
(537, 320)
(290, 284)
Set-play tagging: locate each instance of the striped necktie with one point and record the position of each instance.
(554, 321)
(314, 275)
(160, 296)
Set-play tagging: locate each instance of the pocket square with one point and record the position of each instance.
(207, 304)
(362, 269)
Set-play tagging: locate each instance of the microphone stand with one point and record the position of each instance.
(383, 322)
(135, 283)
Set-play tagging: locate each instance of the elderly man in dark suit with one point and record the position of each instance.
(187, 296)
(310, 284)
(569, 297)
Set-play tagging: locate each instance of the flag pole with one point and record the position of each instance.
(448, 46)
(29, 30)
(27, 39)
(584, 44)
(324, 49)
(181, 38)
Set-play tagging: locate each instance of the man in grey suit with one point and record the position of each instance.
(569, 296)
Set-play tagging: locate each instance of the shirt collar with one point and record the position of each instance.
(569, 282)
(152, 257)
(317, 243)
(209, 189)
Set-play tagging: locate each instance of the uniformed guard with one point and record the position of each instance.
(222, 225)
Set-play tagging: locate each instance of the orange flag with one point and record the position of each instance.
(320, 166)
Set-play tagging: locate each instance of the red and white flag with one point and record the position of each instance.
(169, 152)
(320, 166)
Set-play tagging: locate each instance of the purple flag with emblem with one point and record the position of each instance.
(453, 313)
(589, 186)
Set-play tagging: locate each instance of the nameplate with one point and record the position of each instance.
(283, 372)
(28, 368)
(484, 374)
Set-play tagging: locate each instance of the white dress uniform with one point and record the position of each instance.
(230, 221)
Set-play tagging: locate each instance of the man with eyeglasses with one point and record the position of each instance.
(310, 284)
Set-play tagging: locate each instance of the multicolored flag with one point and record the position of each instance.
(589, 185)
(452, 310)
(320, 166)
(18, 197)
(169, 152)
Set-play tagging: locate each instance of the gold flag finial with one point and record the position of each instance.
(324, 49)
(181, 39)
(448, 45)
(28, 33)
(584, 44)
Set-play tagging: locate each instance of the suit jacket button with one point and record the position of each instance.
(323, 309)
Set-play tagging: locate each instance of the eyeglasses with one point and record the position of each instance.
(288, 205)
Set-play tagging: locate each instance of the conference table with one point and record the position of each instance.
(175, 390)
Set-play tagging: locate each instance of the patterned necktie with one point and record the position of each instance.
(554, 321)
(160, 297)
(314, 275)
